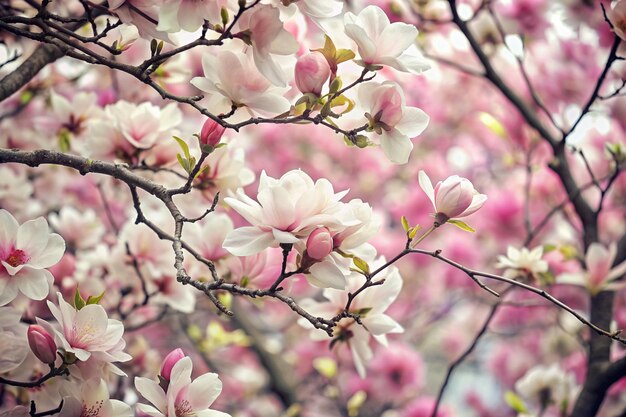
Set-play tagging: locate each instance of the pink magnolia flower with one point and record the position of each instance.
(141, 13)
(288, 209)
(88, 333)
(453, 198)
(91, 398)
(144, 124)
(25, 251)
(42, 344)
(617, 16)
(189, 15)
(383, 43)
(312, 71)
(523, 262)
(599, 273)
(232, 78)
(184, 397)
(83, 230)
(268, 37)
(393, 121)
(370, 304)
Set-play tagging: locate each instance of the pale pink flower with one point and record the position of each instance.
(617, 16)
(25, 251)
(232, 78)
(183, 397)
(83, 230)
(13, 343)
(393, 121)
(600, 272)
(268, 37)
(91, 399)
(144, 124)
(75, 116)
(88, 333)
(453, 198)
(312, 71)
(547, 385)
(142, 14)
(189, 15)
(380, 42)
(370, 304)
(288, 209)
(523, 262)
(315, 9)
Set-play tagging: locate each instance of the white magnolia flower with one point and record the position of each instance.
(370, 304)
(288, 209)
(84, 230)
(599, 273)
(268, 37)
(232, 78)
(91, 398)
(89, 334)
(25, 251)
(393, 121)
(13, 343)
(523, 262)
(184, 397)
(315, 9)
(74, 116)
(144, 124)
(546, 385)
(189, 15)
(380, 42)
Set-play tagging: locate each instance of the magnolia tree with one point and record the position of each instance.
(309, 208)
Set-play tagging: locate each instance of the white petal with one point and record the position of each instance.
(33, 283)
(204, 390)
(326, 275)
(427, 187)
(247, 241)
(151, 391)
(52, 254)
(397, 147)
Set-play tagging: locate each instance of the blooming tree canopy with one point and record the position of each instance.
(244, 208)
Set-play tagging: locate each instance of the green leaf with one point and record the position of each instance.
(159, 47)
(362, 141)
(493, 124)
(405, 224)
(462, 225)
(335, 85)
(183, 146)
(515, 402)
(361, 264)
(344, 55)
(153, 46)
(183, 163)
(78, 300)
(342, 100)
(224, 16)
(413, 231)
(200, 171)
(548, 247)
(245, 281)
(95, 299)
(65, 142)
(363, 311)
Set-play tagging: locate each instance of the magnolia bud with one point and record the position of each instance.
(319, 244)
(453, 196)
(41, 343)
(312, 71)
(211, 133)
(170, 360)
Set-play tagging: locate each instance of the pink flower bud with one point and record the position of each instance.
(452, 198)
(170, 360)
(41, 343)
(312, 71)
(211, 133)
(319, 244)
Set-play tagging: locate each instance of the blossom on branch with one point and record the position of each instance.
(380, 42)
(390, 118)
(25, 252)
(182, 396)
